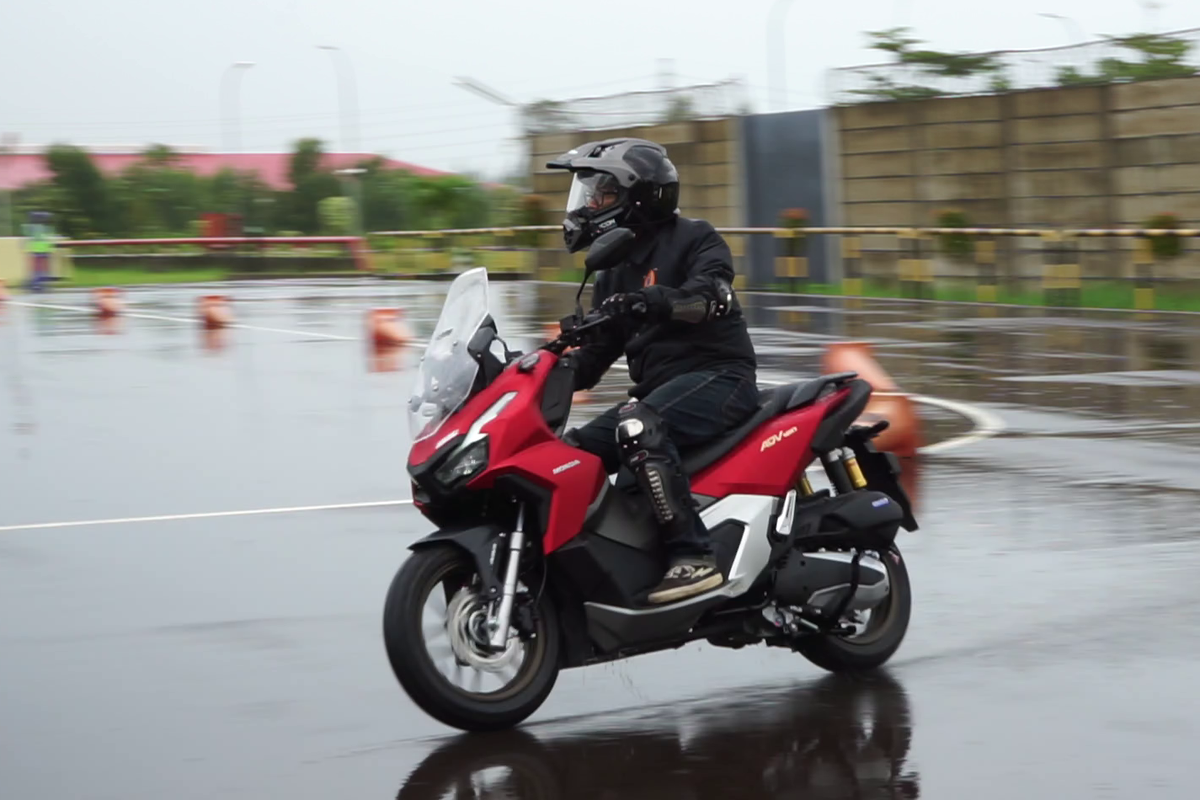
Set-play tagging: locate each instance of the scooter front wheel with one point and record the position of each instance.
(435, 632)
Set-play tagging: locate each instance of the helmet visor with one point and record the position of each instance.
(593, 193)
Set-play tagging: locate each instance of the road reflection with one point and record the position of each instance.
(839, 737)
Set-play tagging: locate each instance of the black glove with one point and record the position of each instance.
(631, 304)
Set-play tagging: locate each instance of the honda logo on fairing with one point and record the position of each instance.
(776, 438)
(566, 466)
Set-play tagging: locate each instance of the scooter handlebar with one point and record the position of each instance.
(591, 322)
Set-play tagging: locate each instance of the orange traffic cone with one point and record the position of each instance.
(215, 312)
(386, 328)
(108, 326)
(903, 435)
(385, 360)
(214, 339)
(108, 302)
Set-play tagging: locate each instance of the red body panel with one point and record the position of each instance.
(521, 443)
(768, 462)
(771, 459)
(574, 486)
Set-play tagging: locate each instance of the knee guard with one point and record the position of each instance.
(642, 440)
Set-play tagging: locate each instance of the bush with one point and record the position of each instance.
(795, 218)
(958, 246)
(1166, 247)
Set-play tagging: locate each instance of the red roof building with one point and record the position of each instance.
(21, 169)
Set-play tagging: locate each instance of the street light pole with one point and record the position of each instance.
(486, 92)
(1070, 24)
(480, 89)
(776, 64)
(235, 70)
(1151, 7)
(346, 99)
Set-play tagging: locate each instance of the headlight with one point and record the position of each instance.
(464, 464)
(472, 455)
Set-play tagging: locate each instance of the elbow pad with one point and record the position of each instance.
(696, 308)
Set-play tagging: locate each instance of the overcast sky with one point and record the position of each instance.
(134, 72)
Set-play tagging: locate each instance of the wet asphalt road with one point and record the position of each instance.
(1055, 622)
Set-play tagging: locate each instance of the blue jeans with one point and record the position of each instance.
(40, 271)
(697, 408)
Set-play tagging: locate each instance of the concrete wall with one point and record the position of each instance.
(1105, 156)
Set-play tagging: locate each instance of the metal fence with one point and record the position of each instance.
(1122, 268)
(1093, 62)
(1114, 268)
(233, 255)
(701, 101)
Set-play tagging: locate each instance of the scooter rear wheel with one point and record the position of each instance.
(440, 662)
(883, 634)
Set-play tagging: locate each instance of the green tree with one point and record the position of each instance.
(386, 197)
(504, 203)
(933, 63)
(311, 184)
(160, 155)
(1159, 57)
(450, 201)
(243, 194)
(337, 216)
(306, 160)
(83, 200)
(679, 109)
(156, 198)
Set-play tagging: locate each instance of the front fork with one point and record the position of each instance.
(499, 621)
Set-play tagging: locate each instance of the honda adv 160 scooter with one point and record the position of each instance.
(540, 563)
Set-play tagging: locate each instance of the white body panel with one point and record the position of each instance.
(753, 553)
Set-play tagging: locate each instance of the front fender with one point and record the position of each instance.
(479, 542)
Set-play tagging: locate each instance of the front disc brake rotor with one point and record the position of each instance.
(466, 624)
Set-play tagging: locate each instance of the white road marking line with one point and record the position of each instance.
(204, 515)
(986, 424)
(188, 320)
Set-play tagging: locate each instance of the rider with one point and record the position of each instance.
(689, 352)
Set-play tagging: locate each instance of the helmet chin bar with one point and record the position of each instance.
(579, 230)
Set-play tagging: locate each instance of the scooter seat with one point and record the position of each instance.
(771, 403)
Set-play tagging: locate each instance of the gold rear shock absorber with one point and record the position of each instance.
(852, 467)
(805, 487)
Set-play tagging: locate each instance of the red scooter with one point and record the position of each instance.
(540, 563)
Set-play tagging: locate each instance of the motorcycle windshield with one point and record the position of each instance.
(447, 372)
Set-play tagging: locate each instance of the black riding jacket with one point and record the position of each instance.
(680, 268)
